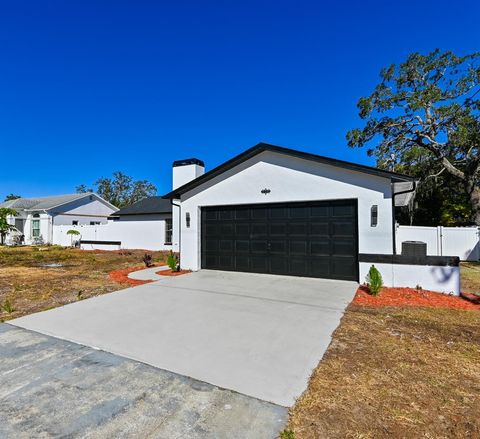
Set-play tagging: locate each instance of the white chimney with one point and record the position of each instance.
(185, 171)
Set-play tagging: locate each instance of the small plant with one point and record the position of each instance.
(374, 281)
(80, 295)
(418, 287)
(148, 260)
(287, 434)
(172, 261)
(72, 233)
(8, 307)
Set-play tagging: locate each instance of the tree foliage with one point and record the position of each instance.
(423, 118)
(121, 190)
(5, 227)
(12, 197)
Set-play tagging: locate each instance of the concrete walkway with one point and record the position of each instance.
(260, 335)
(148, 273)
(54, 388)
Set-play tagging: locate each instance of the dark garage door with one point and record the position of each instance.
(314, 239)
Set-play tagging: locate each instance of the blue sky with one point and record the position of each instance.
(88, 87)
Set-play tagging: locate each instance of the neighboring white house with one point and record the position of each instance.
(37, 217)
(282, 211)
(146, 224)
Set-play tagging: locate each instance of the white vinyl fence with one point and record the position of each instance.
(148, 235)
(443, 241)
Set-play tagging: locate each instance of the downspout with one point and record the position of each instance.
(394, 224)
(179, 223)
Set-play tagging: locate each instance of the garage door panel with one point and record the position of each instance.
(320, 248)
(278, 229)
(343, 210)
(226, 262)
(259, 246)
(278, 265)
(259, 264)
(320, 266)
(242, 230)
(259, 230)
(343, 228)
(242, 263)
(298, 248)
(278, 247)
(317, 239)
(320, 228)
(225, 245)
(242, 246)
(299, 267)
(297, 228)
(342, 267)
(343, 248)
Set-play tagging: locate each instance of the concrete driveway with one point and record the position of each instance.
(259, 335)
(54, 388)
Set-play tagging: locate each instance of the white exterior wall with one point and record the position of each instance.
(181, 175)
(443, 241)
(140, 232)
(83, 211)
(442, 279)
(290, 179)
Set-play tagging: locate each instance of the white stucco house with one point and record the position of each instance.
(282, 211)
(37, 218)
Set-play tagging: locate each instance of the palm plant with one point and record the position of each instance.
(72, 233)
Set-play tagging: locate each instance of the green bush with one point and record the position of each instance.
(172, 261)
(374, 281)
(287, 434)
(8, 307)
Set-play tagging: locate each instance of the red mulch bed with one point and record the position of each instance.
(172, 273)
(411, 297)
(121, 276)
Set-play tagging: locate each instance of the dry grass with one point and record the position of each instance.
(401, 373)
(30, 287)
(471, 277)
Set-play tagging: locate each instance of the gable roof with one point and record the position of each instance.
(46, 203)
(147, 205)
(261, 147)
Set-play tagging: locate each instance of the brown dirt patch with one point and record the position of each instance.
(412, 297)
(30, 287)
(395, 373)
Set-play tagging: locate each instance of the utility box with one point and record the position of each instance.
(414, 248)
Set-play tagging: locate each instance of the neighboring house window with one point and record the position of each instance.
(168, 231)
(36, 225)
(75, 223)
(94, 223)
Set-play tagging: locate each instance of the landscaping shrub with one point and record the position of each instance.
(374, 281)
(148, 260)
(8, 307)
(287, 434)
(172, 261)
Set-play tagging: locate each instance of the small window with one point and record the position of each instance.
(36, 226)
(75, 223)
(94, 223)
(374, 216)
(168, 231)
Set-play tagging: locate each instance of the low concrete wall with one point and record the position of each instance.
(434, 274)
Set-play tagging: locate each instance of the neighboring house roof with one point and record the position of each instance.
(47, 203)
(147, 205)
(261, 147)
